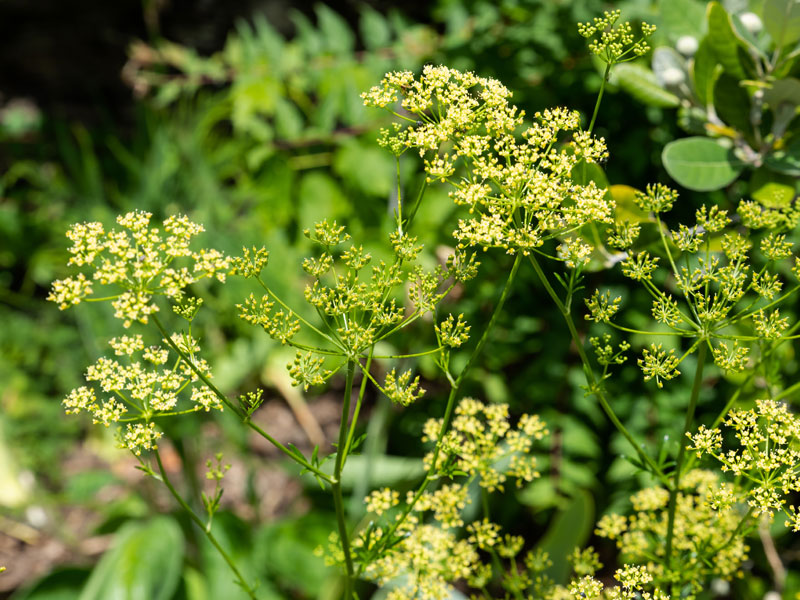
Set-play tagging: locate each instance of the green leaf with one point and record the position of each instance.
(786, 161)
(773, 190)
(339, 39)
(569, 529)
(703, 68)
(626, 207)
(724, 42)
(682, 17)
(366, 167)
(61, 584)
(782, 21)
(375, 30)
(288, 119)
(144, 563)
(701, 164)
(641, 83)
(783, 91)
(380, 471)
(583, 173)
(732, 103)
(286, 548)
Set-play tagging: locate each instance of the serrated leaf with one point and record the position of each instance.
(641, 83)
(723, 41)
(374, 28)
(703, 69)
(782, 21)
(144, 563)
(771, 189)
(701, 164)
(339, 39)
(786, 161)
(288, 120)
(365, 167)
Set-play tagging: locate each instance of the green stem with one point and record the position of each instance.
(591, 381)
(199, 522)
(224, 399)
(455, 386)
(336, 484)
(673, 493)
(599, 97)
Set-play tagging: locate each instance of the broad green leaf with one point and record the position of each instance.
(773, 190)
(627, 209)
(703, 68)
(782, 21)
(286, 548)
(724, 42)
(682, 17)
(374, 28)
(61, 584)
(732, 103)
(641, 83)
(569, 529)
(783, 91)
(583, 173)
(701, 164)
(144, 563)
(380, 471)
(786, 161)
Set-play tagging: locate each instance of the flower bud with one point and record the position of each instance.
(751, 22)
(687, 45)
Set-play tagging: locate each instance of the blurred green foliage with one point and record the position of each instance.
(259, 140)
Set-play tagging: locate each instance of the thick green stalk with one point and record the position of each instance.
(676, 481)
(591, 381)
(336, 483)
(207, 531)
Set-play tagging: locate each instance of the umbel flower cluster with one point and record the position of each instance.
(765, 459)
(728, 282)
(361, 303)
(137, 260)
(137, 264)
(514, 180)
(705, 531)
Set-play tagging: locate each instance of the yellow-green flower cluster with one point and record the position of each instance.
(140, 387)
(634, 581)
(138, 260)
(705, 540)
(518, 192)
(359, 305)
(425, 557)
(480, 437)
(615, 43)
(766, 459)
(725, 288)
